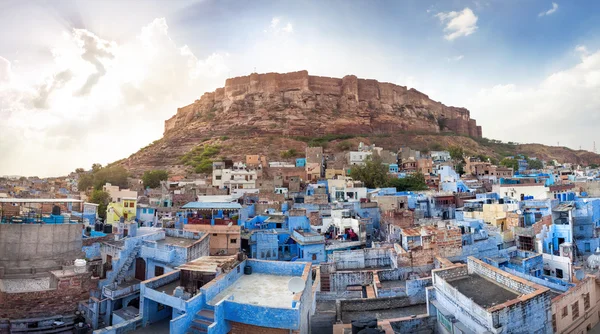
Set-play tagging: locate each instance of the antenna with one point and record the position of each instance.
(296, 284)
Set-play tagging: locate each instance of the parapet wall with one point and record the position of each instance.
(27, 248)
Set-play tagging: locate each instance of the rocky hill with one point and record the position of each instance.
(270, 113)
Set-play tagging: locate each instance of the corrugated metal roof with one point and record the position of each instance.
(213, 205)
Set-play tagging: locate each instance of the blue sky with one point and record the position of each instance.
(76, 75)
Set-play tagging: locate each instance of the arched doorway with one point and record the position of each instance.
(134, 302)
(140, 269)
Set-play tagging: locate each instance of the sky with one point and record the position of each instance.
(85, 82)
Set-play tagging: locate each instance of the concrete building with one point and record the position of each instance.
(223, 295)
(239, 176)
(117, 194)
(479, 298)
(124, 210)
(40, 282)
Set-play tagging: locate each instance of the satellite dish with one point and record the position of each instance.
(519, 212)
(296, 284)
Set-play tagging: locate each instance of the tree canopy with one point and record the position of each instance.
(535, 164)
(102, 198)
(115, 175)
(152, 178)
(510, 163)
(374, 174)
(456, 153)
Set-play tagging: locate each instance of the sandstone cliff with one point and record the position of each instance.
(269, 113)
(299, 104)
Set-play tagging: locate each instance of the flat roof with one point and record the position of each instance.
(212, 205)
(40, 200)
(259, 289)
(483, 291)
(176, 241)
(207, 263)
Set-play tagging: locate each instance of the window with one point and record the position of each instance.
(158, 271)
(575, 310)
(217, 177)
(233, 241)
(546, 272)
(554, 323)
(565, 312)
(314, 257)
(559, 273)
(586, 301)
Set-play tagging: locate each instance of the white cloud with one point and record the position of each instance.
(277, 28)
(456, 58)
(5, 70)
(458, 24)
(549, 11)
(582, 49)
(275, 22)
(101, 100)
(562, 107)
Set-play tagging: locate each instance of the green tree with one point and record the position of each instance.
(102, 198)
(289, 153)
(460, 168)
(96, 167)
(85, 181)
(456, 153)
(373, 173)
(594, 166)
(535, 164)
(79, 171)
(344, 146)
(510, 163)
(152, 178)
(115, 175)
(414, 182)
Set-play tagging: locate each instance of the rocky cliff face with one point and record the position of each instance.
(269, 113)
(296, 103)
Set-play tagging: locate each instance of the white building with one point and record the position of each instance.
(358, 158)
(238, 177)
(117, 194)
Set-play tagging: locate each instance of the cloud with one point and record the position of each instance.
(278, 28)
(56, 82)
(560, 108)
(458, 24)
(549, 11)
(95, 49)
(5, 70)
(81, 114)
(456, 58)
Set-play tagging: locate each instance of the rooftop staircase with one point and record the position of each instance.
(201, 321)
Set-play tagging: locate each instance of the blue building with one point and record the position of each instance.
(219, 295)
(284, 237)
(300, 162)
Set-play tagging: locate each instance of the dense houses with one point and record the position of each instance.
(298, 246)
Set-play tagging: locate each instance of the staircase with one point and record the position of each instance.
(122, 271)
(201, 321)
(325, 285)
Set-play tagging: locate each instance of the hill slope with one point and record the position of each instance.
(270, 113)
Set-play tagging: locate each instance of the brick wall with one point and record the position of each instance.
(239, 328)
(61, 300)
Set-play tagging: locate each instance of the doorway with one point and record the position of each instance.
(140, 269)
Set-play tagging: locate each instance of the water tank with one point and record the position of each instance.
(80, 266)
(98, 226)
(361, 324)
(88, 229)
(107, 229)
(56, 210)
(501, 201)
(248, 270)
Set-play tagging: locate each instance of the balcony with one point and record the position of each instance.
(308, 237)
(115, 291)
(162, 255)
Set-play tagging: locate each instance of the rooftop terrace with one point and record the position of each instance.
(482, 291)
(259, 289)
